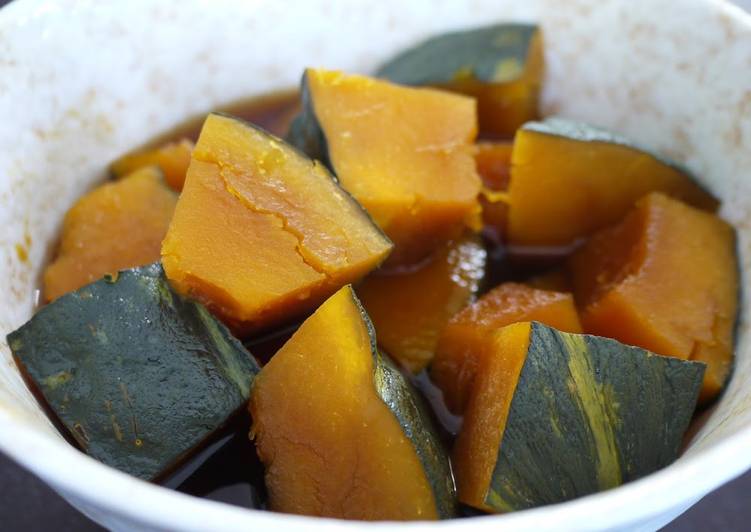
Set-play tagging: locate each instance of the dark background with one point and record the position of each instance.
(27, 504)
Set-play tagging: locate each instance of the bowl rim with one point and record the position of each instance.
(154, 505)
(85, 479)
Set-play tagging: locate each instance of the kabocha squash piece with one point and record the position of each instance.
(500, 65)
(569, 179)
(262, 234)
(137, 374)
(404, 153)
(172, 159)
(115, 226)
(553, 416)
(410, 309)
(461, 344)
(493, 161)
(665, 279)
(340, 431)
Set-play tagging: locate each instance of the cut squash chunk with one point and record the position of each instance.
(340, 431)
(460, 345)
(493, 161)
(172, 159)
(553, 416)
(665, 279)
(500, 65)
(568, 180)
(405, 154)
(138, 375)
(409, 310)
(115, 226)
(262, 234)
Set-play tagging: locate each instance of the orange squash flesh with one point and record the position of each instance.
(664, 279)
(556, 280)
(330, 445)
(410, 309)
(493, 161)
(460, 346)
(565, 188)
(262, 234)
(172, 159)
(504, 107)
(116, 226)
(406, 154)
(476, 449)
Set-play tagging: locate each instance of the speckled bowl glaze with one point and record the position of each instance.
(81, 82)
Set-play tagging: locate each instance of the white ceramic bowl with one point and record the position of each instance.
(81, 82)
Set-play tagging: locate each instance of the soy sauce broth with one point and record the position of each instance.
(227, 468)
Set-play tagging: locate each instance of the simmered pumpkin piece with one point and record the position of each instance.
(137, 374)
(553, 416)
(404, 153)
(410, 309)
(569, 179)
(172, 159)
(500, 65)
(261, 233)
(340, 431)
(462, 342)
(493, 161)
(665, 279)
(115, 226)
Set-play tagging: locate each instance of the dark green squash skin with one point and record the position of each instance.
(478, 52)
(589, 414)
(582, 132)
(139, 375)
(305, 132)
(410, 410)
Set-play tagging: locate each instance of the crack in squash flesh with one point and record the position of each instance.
(245, 189)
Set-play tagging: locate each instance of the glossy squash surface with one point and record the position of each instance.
(244, 190)
(553, 416)
(404, 153)
(463, 341)
(115, 226)
(500, 65)
(665, 279)
(340, 431)
(138, 375)
(410, 309)
(172, 159)
(568, 180)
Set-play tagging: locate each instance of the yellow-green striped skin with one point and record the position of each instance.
(589, 414)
